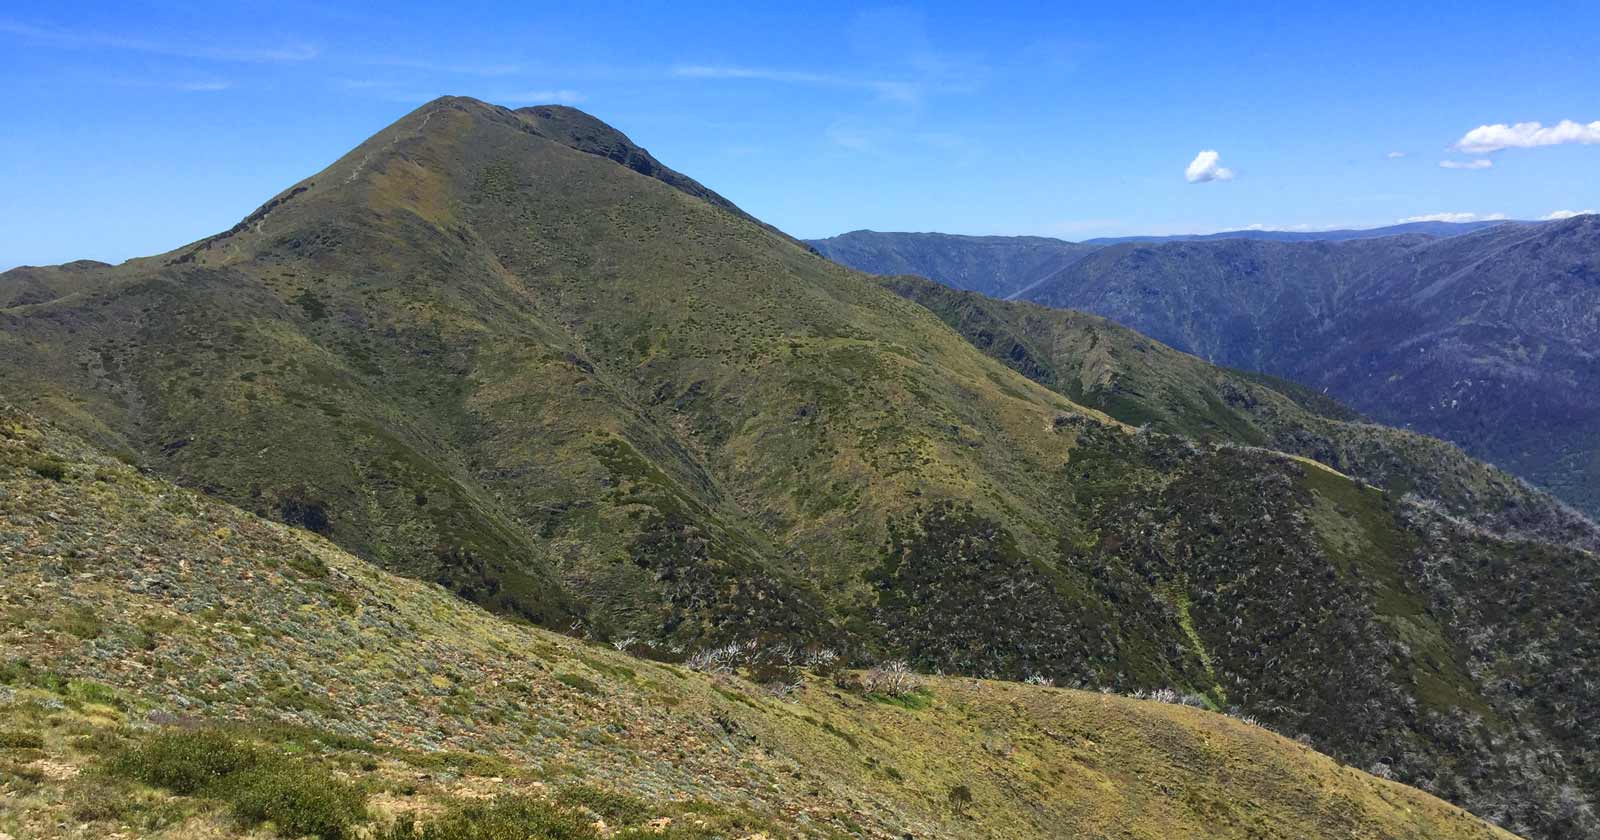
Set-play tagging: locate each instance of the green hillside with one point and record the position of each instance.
(509, 353)
(1142, 382)
(151, 633)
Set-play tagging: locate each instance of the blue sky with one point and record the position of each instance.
(133, 127)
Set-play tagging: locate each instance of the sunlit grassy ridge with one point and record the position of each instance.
(186, 665)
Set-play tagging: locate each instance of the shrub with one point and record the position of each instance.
(300, 800)
(88, 691)
(612, 807)
(49, 468)
(505, 818)
(719, 660)
(891, 679)
(960, 798)
(297, 507)
(309, 565)
(79, 621)
(583, 684)
(186, 761)
(20, 740)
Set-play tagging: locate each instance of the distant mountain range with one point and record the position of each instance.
(1425, 228)
(1484, 337)
(1005, 266)
(510, 353)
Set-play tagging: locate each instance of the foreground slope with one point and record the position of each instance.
(128, 604)
(505, 352)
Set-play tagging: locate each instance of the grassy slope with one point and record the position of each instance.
(131, 600)
(1139, 381)
(535, 342)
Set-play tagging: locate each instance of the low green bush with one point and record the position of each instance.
(614, 808)
(186, 761)
(583, 684)
(50, 468)
(505, 818)
(20, 740)
(300, 800)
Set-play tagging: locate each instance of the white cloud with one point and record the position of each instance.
(1480, 163)
(707, 71)
(853, 139)
(1206, 166)
(1395, 155)
(204, 87)
(1526, 135)
(1455, 217)
(85, 39)
(1567, 214)
(887, 90)
(488, 70)
(542, 97)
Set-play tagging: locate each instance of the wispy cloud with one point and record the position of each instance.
(1567, 214)
(1455, 217)
(1207, 166)
(448, 68)
(1480, 163)
(887, 90)
(709, 71)
(1395, 155)
(1526, 135)
(540, 97)
(202, 85)
(853, 139)
(894, 59)
(87, 39)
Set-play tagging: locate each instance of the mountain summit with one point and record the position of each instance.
(511, 353)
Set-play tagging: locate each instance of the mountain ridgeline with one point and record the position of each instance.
(1483, 338)
(1008, 266)
(510, 353)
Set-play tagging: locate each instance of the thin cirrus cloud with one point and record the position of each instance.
(1456, 217)
(891, 91)
(1207, 166)
(1480, 163)
(1395, 155)
(1566, 214)
(1526, 135)
(485, 70)
(542, 97)
(86, 39)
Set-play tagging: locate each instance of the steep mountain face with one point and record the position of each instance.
(998, 266)
(127, 602)
(1483, 339)
(502, 351)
